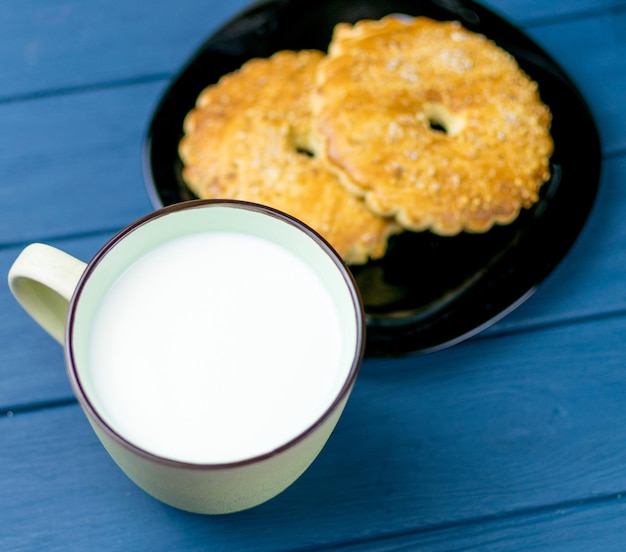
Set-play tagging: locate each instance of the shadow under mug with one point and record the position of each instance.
(63, 294)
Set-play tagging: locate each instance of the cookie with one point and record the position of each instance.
(248, 138)
(431, 124)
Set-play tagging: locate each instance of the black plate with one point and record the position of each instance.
(428, 292)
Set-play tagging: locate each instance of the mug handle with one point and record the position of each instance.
(43, 279)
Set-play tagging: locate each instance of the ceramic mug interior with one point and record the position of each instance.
(187, 219)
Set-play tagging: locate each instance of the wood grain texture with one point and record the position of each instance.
(87, 146)
(514, 440)
(50, 47)
(598, 525)
(32, 369)
(72, 164)
(482, 431)
(529, 12)
(590, 281)
(593, 52)
(588, 285)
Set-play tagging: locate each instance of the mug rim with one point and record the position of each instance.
(357, 357)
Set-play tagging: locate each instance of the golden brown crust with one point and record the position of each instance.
(382, 88)
(246, 139)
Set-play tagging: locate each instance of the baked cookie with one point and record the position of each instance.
(248, 138)
(432, 124)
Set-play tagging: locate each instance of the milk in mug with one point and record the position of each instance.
(217, 347)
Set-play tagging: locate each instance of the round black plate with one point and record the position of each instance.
(428, 292)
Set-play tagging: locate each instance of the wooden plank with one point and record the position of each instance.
(589, 284)
(87, 146)
(32, 369)
(52, 46)
(513, 440)
(488, 429)
(590, 280)
(72, 164)
(596, 64)
(531, 12)
(595, 526)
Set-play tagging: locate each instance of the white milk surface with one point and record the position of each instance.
(216, 347)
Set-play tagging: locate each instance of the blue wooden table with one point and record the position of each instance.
(512, 440)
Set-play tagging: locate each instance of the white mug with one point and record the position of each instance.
(211, 344)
